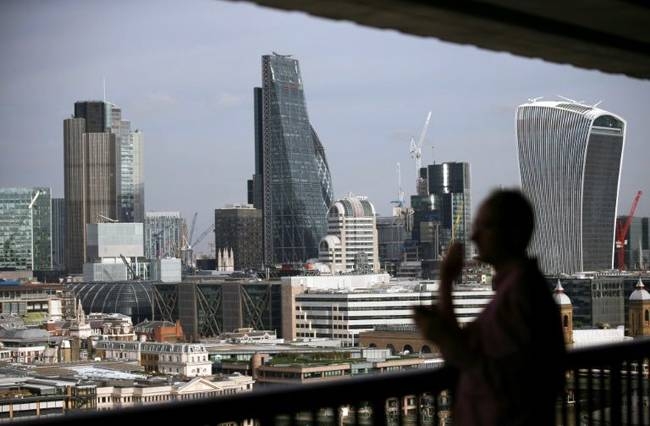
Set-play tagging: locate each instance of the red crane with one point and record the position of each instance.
(623, 227)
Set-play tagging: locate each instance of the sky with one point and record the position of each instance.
(183, 73)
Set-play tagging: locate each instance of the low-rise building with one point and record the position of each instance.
(127, 394)
(343, 314)
(184, 359)
(26, 345)
(159, 331)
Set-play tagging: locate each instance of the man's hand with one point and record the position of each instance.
(452, 264)
(429, 322)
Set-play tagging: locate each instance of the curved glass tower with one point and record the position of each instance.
(296, 183)
(570, 159)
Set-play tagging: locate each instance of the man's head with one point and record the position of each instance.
(503, 226)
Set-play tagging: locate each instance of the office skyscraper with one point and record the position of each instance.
(58, 234)
(239, 228)
(25, 229)
(569, 162)
(449, 183)
(351, 243)
(292, 179)
(103, 166)
(90, 166)
(131, 176)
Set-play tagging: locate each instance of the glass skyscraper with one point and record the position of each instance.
(131, 181)
(449, 183)
(569, 161)
(25, 229)
(292, 178)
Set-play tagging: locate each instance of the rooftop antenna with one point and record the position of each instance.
(104, 81)
(596, 104)
(533, 100)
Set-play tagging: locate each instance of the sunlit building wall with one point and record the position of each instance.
(25, 228)
(570, 161)
(351, 240)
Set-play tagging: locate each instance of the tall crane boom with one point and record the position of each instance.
(191, 233)
(415, 148)
(203, 235)
(623, 227)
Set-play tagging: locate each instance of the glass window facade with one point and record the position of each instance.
(25, 228)
(449, 182)
(297, 187)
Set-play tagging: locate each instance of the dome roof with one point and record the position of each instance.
(352, 206)
(559, 296)
(131, 298)
(640, 293)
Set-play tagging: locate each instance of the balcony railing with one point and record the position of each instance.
(605, 385)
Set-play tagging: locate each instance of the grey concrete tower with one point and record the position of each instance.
(90, 175)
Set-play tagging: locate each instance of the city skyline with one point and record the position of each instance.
(368, 91)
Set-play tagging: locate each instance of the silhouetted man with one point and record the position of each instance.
(510, 359)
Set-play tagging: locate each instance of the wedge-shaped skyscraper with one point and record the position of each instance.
(292, 183)
(570, 161)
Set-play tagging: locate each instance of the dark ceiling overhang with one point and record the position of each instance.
(605, 35)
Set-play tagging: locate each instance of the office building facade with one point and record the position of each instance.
(102, 173)
(239, 228)
(131, 178)
(343, 315)
(292, 178)
(569, 162)
(351, 243)
(162, 234)
(391, 234)
(449, 184)
(25, 229)
(58, 234)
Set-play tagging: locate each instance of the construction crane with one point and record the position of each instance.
(203, 235)
(187, 252)
(129, 267)
(623, 227)
(191, 233)
(101, 217)
(31, 204)
(416, 152)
